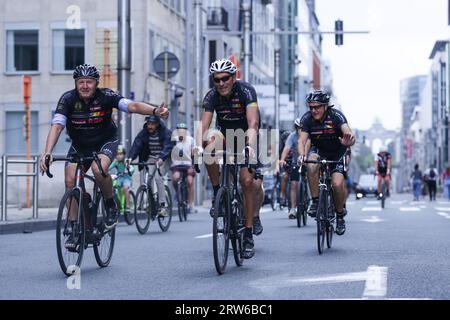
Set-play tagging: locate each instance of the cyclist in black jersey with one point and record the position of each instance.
(86, 111)
(235, 103)
(330, 136)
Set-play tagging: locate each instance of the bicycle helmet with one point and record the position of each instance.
(153, 119)
(297, 123)
(182, 125)
(318, 96)
(86, 70)
(121, 149)
(223, 65)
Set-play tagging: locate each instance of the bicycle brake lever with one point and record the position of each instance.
(47, 163)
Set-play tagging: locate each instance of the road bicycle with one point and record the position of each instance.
(303, 199)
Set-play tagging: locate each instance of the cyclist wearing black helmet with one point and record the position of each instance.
(236, 105)
(86, 111)
(154, 140)
(330, 136)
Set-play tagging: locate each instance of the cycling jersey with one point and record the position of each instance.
(383, 158)
(231, 111)
(292, 143)
(325, 135)
(89, 124)
(181, 153)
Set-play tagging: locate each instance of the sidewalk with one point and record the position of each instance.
(20, 221)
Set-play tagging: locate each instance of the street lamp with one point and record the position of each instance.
(246, 7)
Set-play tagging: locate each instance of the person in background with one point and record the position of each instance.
(431, 180)
(124, 173)
(446, 182)
(417, 178)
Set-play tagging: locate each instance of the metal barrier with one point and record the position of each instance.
(4, 175)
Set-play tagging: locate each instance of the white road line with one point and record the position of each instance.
(373, 219)
(350, 203)
(371, 202)
(205, 236)
(376, 282)
(443, 214)
(410, 209)
(442, 209)
(443, 202)
(371, 209)
(415, 203)
(398, 202)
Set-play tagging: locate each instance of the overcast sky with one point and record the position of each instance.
(368, 69)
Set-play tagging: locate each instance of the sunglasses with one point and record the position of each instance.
(224, 79)
(316, 108)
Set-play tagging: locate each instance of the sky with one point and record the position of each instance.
(368, 68)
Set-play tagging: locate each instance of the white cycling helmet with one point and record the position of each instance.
(298, 123)
(223, 65)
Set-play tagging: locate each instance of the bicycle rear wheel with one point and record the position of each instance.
(70, 259)
(322, 212)
(305, 204)
(129, 214)
(221, 230)
(142, 212)
(164, 222)
(383, 197)
(182, 210)
(104, 239)
(237, 224)
(185, 202)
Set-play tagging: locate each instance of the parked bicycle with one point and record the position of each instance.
(148, 202)
(81, 218)
(326, 212)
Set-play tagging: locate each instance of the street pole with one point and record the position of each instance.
(246, 7)
(188, 64)
(198, 84)
(124, 68)
(277, 68)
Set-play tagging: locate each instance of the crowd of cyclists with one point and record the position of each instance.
(321, 133)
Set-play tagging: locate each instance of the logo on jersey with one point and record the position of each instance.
(78, 107)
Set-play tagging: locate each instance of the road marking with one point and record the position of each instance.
(371, 209)
(443, 202)
(373, 219)
(445, 215)
(375, 278)
(350, 203)
(205, 236)
(442, 209)
(398, 202)
(415, 203)
(410, 209)
(372, 202)
(376, 282)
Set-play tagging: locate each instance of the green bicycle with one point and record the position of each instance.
(119, 194)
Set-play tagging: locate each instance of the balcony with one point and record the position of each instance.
(217, 18)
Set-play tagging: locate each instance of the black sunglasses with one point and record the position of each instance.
(224, 79)
(317, 107)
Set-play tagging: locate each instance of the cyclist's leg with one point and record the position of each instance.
(176, 176)
(379, 179)
(284, 182)
(247, 184)
(159, 179)
(339, 191)
(295, 178)
(69, 174)
(313, 176)
(106, 154)
(387, 181)
(190, 186)
(126, 189)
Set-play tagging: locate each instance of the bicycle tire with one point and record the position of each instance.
(330, 232)
(273, 200)
(237, 239)
(221, 213)
(129, 217)
(104, 248)
(180, 203)
(383, 197)
(61, 230)
(185, 203)
(300, 204)
(305, 203)
(142, 214)
(164, 222)
(322, 212)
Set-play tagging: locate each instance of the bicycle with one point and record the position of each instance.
(228, 220)
(302, 199)
(326, 212)
(382, 195)
(182, 193)
(119, 194)
(89, 228)
(147, 201)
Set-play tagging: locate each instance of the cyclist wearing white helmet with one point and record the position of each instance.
(236, 105)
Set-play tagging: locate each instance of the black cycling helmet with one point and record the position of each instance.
(153, 119)
(318, 96)
(86, 70)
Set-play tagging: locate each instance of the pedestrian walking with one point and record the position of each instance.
(417, 178)
(432, 182)
(446, 183)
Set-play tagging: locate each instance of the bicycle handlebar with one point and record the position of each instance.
(75, 159)
(146, 164)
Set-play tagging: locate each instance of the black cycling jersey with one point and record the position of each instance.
(382, 158)
(89, 124)
(231, 111)
(325, 135)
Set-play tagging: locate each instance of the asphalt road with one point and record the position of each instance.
(402, 252)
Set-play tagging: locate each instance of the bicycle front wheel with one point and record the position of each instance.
(300, 204)
(237, 237)
(322, 212)
(142, 212)
(383, 197)
(130, 214)
(164, 222)
(104, 239)
(70, 259)
(221, 230)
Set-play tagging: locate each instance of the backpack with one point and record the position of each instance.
(432, 174)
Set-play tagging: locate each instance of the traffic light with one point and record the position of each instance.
(339, 30)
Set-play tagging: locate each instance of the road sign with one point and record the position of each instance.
(173, 65)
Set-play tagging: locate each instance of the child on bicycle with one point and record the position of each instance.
(122, 177)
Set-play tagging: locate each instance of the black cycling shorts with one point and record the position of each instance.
(108, 148)
(335, 168)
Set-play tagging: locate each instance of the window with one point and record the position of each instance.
(15, 133)
(22, 50)
(68, 49)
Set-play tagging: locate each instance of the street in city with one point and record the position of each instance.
(401, 252)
